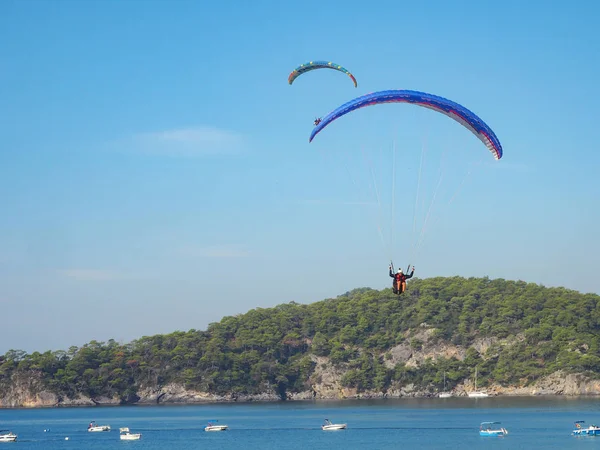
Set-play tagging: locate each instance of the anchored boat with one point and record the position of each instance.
(125, 435)
(7, 436)
(579, 430)
(93, 427)
(213, 427)
(476, 393)
(328, 426)
(487, 429)
(445, 393)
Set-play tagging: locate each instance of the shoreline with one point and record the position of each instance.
(263, 401)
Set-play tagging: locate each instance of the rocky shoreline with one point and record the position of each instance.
(27, 396)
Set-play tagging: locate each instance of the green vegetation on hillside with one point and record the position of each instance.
(274, 349)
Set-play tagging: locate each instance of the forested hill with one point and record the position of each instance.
(522, 338)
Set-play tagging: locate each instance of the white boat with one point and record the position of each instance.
(92, 427)
(592, 430)
(328, 426)
(485, 429)
(476, 393)
(445, 394)
(212, 427)
(7, 436)
(125, 435)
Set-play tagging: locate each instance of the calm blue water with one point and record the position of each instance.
(423, 424)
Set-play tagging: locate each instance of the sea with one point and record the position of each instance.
(422, 424)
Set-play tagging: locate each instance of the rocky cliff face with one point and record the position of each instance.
(558, 383)
(29, 390)
(327, 379)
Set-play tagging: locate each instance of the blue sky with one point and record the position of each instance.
(156, 173)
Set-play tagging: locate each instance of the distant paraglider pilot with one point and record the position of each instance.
(317, 121)
(399, 285)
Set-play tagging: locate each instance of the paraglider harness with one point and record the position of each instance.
(399, 283)
(317, 121)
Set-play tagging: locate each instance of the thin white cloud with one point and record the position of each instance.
(185, 142)
(216, 251)
(91, 274)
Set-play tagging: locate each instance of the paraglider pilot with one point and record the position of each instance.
(399, 285)
(317, 121)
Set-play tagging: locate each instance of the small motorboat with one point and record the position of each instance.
(92, 427)
(485, 429)
(125, 435)
(7, 436)
(328, 426)
(213, 427)
(592, 430)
